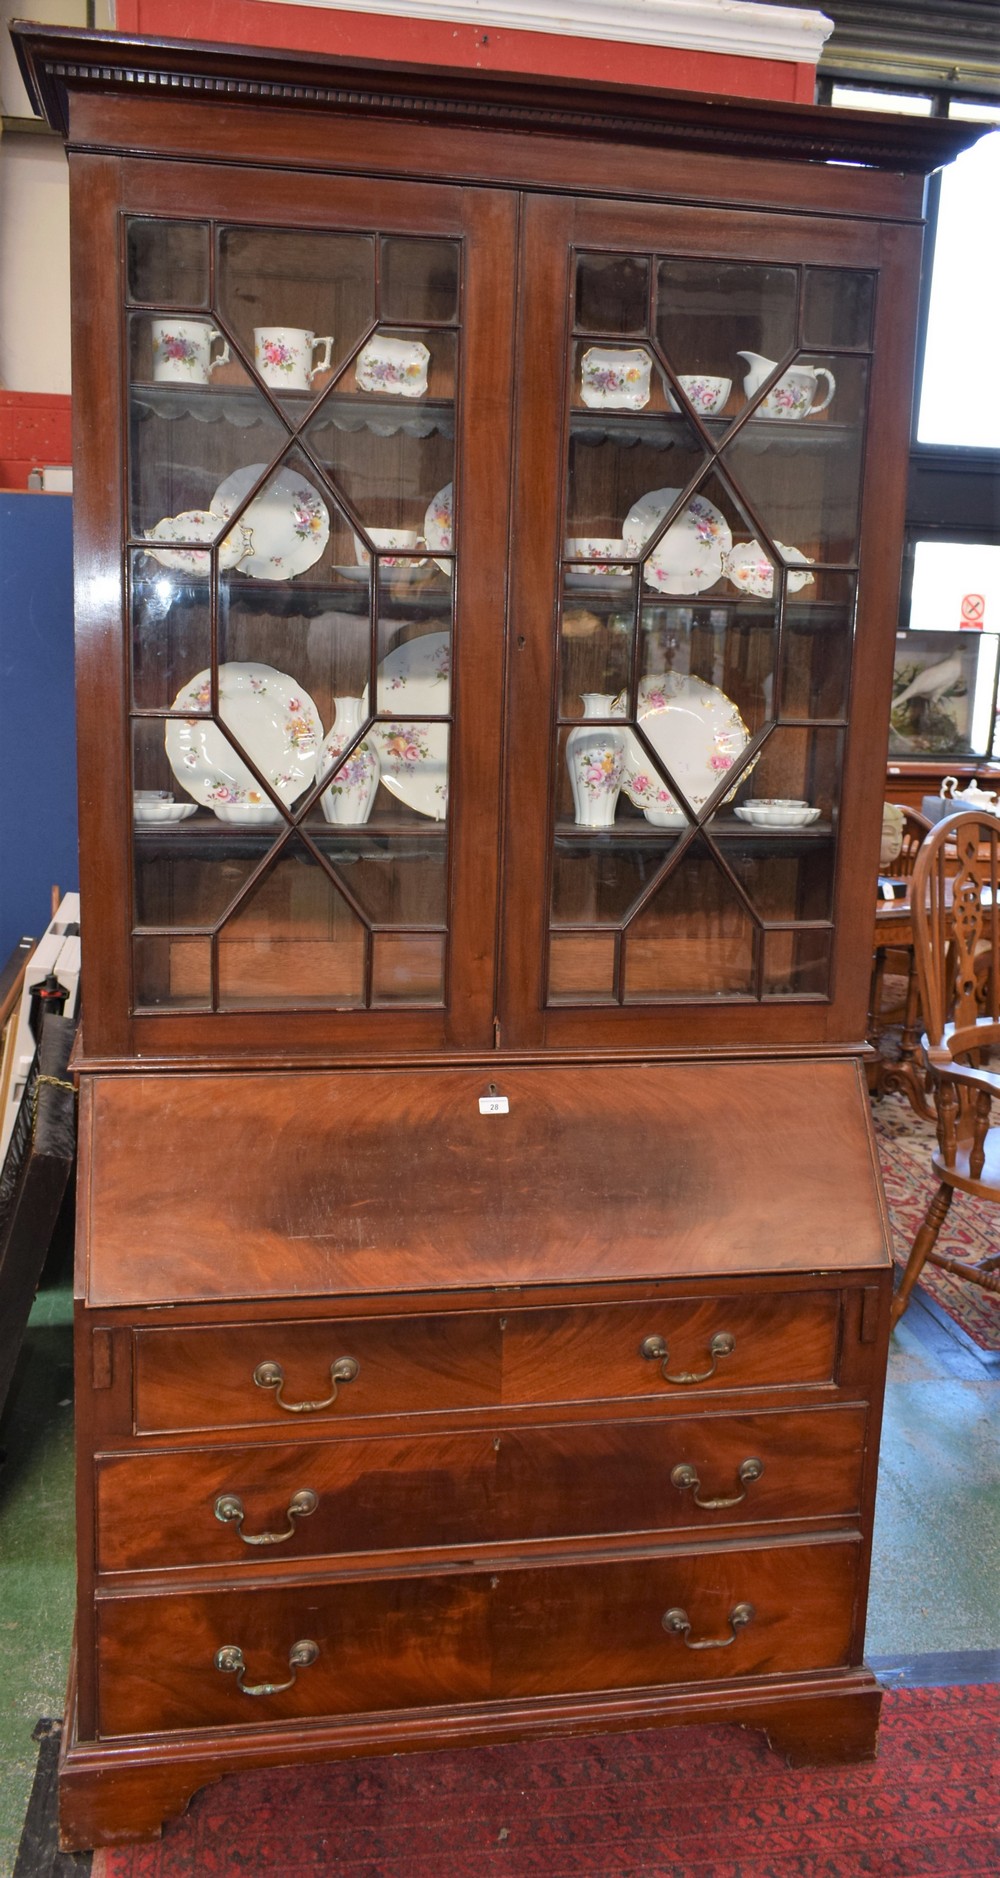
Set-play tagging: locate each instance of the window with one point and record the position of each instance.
(945, 690)
(960, 384)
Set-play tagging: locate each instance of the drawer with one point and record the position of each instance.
(301, 1373)
(375, 1645)
(670, 1349)
(204, 1378)
(156, 1511)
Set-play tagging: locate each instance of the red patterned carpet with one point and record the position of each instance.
(686, 1803)
(971, 1230)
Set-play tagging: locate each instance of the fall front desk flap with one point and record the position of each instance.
(332, 1183)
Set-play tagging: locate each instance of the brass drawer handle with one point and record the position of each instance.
(684, 1475)
(655, 1349)
(272, 1376)
(229, 1508)
(679, 1624)
(231, 1661)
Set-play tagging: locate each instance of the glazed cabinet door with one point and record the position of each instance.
(297, 394)
(708, 468)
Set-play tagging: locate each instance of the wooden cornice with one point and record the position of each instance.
(57, 61)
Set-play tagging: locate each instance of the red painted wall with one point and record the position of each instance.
(442, 42)
(34, 430)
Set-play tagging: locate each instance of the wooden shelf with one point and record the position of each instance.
(236, 405)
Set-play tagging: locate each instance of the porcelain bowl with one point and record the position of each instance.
(707, 395)
(777, 812)
(246, 812)
(160, 809)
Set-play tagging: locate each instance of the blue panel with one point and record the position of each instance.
(37, 712)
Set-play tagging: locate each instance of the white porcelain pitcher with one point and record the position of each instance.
(794, 394)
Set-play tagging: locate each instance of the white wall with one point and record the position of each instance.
(34, 222)
(34, 264)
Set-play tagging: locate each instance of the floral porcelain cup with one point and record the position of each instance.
(397, 366)
(615, 379)
(283, 356)
(182, 351)
(396, 547)
(705, 394)
(600, 552)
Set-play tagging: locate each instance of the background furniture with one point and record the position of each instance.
(955, 894)
(894, 936)
(448, 1350)
(33, 1180)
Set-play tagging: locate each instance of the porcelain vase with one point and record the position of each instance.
(595, 759)
(348, 800)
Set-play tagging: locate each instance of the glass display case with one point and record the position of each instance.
(488, 504)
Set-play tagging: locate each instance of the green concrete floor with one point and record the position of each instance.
(937, 1533)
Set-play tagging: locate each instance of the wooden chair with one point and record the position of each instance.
(955, 903)
(893, 936)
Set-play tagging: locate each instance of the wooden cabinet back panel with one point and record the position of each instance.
(155, 1511)
(386, 1644)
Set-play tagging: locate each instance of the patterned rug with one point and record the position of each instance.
(971, 1230)
(678, 1803)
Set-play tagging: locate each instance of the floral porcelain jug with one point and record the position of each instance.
(595, 759)
(794, 395)
(348, 800)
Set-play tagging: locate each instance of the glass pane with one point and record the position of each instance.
(597, 882)
(797, 964)
(864, 98)
(408, 968)
(794, 767)
(709, 313)
(188, 867)
(293, 940)
(943, 694)
(582, 967)
(193, 422)
(695, 938)
(618, 481)
(419, 279)
(298, 303)
(388, 446)
(959, 391)
(612, 293)
(817, 641)
(176, 973)
(785, 872)
(595, 640)
(956, 584)
(800, 477)
(171, 630)
(167, 263)
(838, 304)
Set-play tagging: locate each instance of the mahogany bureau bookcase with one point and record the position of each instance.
(489, 501)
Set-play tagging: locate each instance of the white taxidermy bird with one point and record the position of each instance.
(933, 682)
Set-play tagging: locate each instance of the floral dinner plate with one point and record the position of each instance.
(274, 720)
(697, 733)
(415, 678)
(288, 520)
(689, 557)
